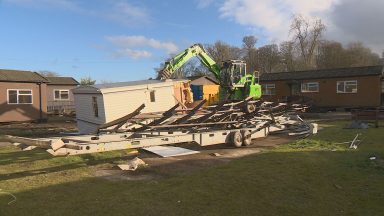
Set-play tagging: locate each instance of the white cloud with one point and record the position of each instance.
(272, 16)
(346, 20)
(142, 41)
(135, 54)
(59, 4)
(115, 10)
(138, 46)
(204, 3)
(354, 20)
(126, 13)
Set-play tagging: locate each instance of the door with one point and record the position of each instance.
(295, 89)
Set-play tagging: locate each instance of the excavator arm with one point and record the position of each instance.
(179, 60)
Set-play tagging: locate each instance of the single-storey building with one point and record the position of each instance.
(59, 94)
(22, 96)
(338, 87)
(205, 87)
(102, 103)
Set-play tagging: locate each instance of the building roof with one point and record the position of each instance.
(62, 81)
(126, 84)
(324, 73)
(203, 80)
(122, 86)
(21, 76)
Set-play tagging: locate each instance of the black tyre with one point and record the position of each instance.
(237, 139)
(247, 137)
(250, 108)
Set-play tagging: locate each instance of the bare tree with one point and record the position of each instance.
(306, 35)
(269, 58)
(288, 56)
(359, 55)
(331, 54)
(221, 51)
(86, 81)
(47, 73)
(250, 53)
(249, 42)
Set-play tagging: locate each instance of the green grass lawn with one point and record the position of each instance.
(316, 176)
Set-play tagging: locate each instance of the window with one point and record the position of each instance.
(152, 96)
(19, 96)
(269, 89)
(347, 86)
(61, 94)
(95, 107)
(310, 87)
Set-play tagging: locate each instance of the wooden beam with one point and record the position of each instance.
(166, 115)
(47, 144)
(205, 117)
(193, 124)
(190, 113)
(122, 119)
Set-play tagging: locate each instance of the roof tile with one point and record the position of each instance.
(21, 76)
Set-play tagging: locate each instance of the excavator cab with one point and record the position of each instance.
(232, 73)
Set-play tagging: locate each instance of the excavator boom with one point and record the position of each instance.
(179, 60)
(232, 76)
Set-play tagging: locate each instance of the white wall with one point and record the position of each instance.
(119, 104)
(86, 127)
(84, 109)
(113, 105)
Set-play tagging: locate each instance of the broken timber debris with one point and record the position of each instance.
(223, 123)
(133, 164)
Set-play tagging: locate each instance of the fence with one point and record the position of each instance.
(60, 107)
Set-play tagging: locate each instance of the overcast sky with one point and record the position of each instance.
(120, 40)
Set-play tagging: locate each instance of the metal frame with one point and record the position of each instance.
(204, 126)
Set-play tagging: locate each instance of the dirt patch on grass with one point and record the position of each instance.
(4, 144)
(55, 126)
(159, 167)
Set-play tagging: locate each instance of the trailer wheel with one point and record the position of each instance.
(250, 108)
(237, 139)
(247, 137)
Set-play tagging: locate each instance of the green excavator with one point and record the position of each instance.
(235, 83)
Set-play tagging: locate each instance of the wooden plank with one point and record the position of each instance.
(204, 118)
(47, 144)
(193, 124)
(190, 113)
(122, 119)
(180, 103)
(166, 115)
